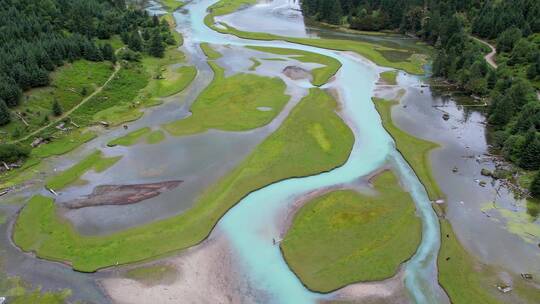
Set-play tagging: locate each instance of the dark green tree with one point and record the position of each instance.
(335, 13)
(135, 42)
(5, 117)
(530, 156)
(9, 91)
(507, 39)
(56, 108)
(535, 185)
(108, 52)
(156, 47)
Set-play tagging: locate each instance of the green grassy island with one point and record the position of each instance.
(344, 237)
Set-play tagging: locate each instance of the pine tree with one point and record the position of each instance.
(530, 156)
(535, 185)
(108, 52)
(135, 42)
(335, 13)
(4, 113)
(10, 92)
(56, 108)
(156, 47)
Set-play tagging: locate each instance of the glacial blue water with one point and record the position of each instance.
(251, 224)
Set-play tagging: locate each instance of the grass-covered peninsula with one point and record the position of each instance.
(415, 150)
(232, 103)
(321, 75)
(344, 236)
(95, 161)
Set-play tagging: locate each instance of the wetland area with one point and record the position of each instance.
(281, 162)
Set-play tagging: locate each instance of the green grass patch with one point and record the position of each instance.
(321, 75)
(3, 217)
(345, 237)
(289, 152)
(117, 115)
(136, 86)
(171, 5)
(153, 275)
(466, 280)
(229, 6)
(31, 167)
(63, 145)
(274, 59)
(94, 161)
(129, 139)
(209, 51)
(21, 292)
(121, 91)
(415, 150)
(67, 85)
(231, 104)
(255, 64)
(458, 275)
(115, 41)
(155, 137)
(389, 77)
(174, 80)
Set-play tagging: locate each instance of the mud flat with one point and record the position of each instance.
(295, 73)
(121, 194)
(206, 273)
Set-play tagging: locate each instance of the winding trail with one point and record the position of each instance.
(117, 68)
(490, 58)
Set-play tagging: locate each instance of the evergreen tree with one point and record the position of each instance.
(156, 47)
(507, 39)
(535, 185)
(135, 42)
(155, 21)
(56, 108)
(502, 110)
(108, 52)
(10, 92)
(530, 157)
(335, 13)
(5, 117)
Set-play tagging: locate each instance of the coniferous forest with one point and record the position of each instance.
(39, 36)
(513, 27)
